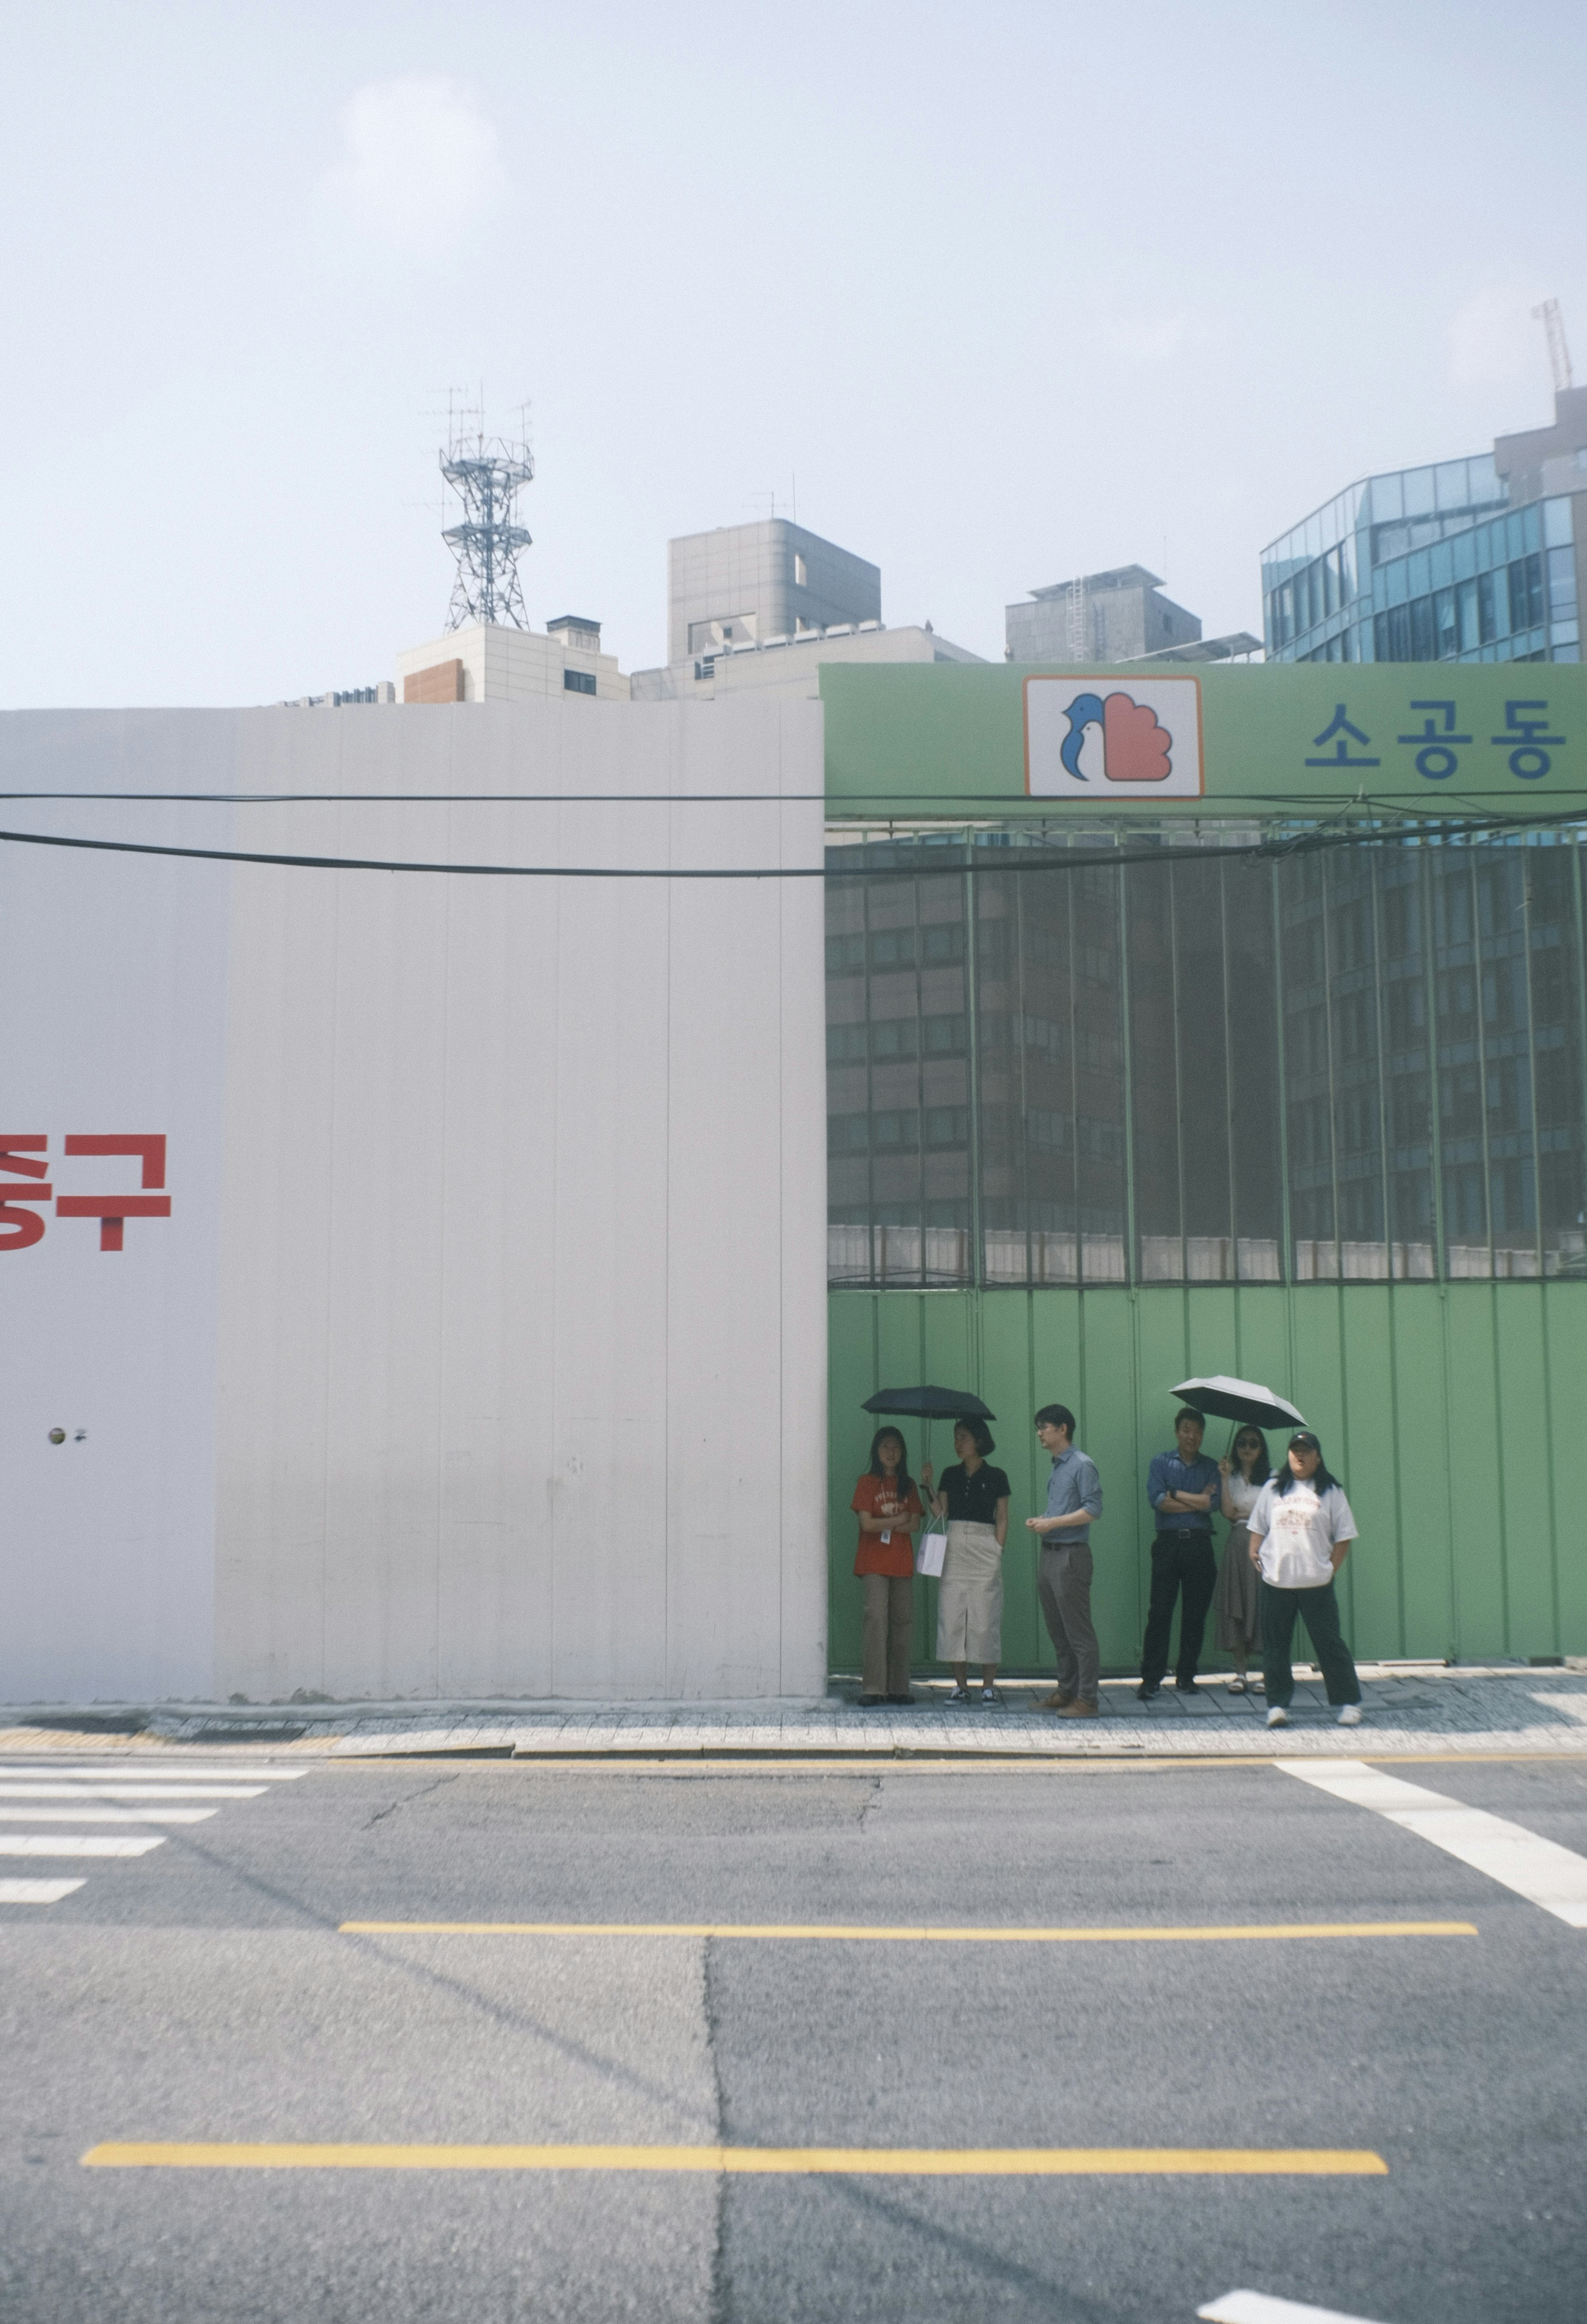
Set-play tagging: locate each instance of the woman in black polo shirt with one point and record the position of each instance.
(975, 1499)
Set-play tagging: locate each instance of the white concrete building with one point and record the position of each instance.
(746, 583)
(490, 662)
(414, 1282)
(760, 607)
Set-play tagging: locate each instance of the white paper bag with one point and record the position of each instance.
(933, 1549)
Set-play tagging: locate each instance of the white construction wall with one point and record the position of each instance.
(484, 1351)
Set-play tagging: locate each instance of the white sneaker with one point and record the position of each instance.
(1276, 1718)
(1351, 1716)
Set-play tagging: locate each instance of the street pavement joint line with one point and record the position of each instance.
(1262, 2308)
(888, 2162)
(1538, 1869)
(838, 1931)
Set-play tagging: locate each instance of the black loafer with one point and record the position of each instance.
(1147, 1694)
(871, 1701)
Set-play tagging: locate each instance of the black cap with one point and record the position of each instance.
(1303, 1440)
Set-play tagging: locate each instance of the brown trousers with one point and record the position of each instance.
(889, 1622)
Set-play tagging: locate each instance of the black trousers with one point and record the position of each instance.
(1180, 1563)
(1319, 1610)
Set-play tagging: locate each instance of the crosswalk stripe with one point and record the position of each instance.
(1539, 1869)
(36, 1892)
(12, 1790)
(109, 1815)
(1262, 2308)
(140, 1770)
(73, 1843)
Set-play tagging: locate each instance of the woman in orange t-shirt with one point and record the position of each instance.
(888, 1509)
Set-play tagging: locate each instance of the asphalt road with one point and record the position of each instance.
(206, 1991)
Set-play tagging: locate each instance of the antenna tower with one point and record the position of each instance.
(487, 475)
(1559, 352)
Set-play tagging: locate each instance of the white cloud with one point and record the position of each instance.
(419, 163)
(1494, 338)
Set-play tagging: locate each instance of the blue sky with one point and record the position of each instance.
(1001, 291)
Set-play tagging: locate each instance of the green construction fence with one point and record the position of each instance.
(1447, 1409)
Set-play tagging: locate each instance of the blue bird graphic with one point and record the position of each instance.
(1085, 710)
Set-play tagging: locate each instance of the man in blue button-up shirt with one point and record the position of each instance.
(1183, 1489)
(1063, 1582)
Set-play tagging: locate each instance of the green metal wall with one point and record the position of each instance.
(1449, 1410)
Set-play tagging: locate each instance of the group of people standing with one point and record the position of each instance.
(1289, 1531)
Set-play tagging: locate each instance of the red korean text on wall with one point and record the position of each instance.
(27, 1193)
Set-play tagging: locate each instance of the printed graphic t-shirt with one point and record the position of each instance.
(1298, 1528)
(878, 1497)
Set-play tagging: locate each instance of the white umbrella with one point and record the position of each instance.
(1238, 1399)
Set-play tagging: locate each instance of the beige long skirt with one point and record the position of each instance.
(1236, 1601)
(970, 1596)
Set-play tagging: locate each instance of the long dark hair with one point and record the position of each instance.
(1320, 1480)
(1264, 1468)
(906, 1483)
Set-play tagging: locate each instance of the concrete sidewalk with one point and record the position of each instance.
(1409, 1709)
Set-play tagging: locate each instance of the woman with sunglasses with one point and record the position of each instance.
(1236, 1604)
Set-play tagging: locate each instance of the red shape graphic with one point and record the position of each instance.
(1135, 748)
(20, 1228)
(112, 1209)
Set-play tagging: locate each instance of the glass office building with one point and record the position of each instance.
(1469, 561)
(1425, 565)
(1364, 1065)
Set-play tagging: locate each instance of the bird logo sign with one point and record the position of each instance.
(1086, 738)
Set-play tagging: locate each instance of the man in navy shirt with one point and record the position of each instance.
(1183, 1489)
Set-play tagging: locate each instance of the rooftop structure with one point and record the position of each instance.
(750, 583)
(489, 661)
(1115, 617)
(763, 607)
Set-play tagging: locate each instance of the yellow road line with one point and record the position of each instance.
(797, 1931)
(892, 2162)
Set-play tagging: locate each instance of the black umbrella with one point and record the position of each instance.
(929, 1404)
(1238, 1399)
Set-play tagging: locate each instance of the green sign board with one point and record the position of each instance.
(908, 741)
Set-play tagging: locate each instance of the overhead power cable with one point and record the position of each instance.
(1305, 841)
(853, 805)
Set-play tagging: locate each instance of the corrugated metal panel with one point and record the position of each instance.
(1448, 1411)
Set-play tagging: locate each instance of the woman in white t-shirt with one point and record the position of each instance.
(1300, 1532)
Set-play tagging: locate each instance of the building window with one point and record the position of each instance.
(1526, 592)
(579, 681)
(801, 572)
